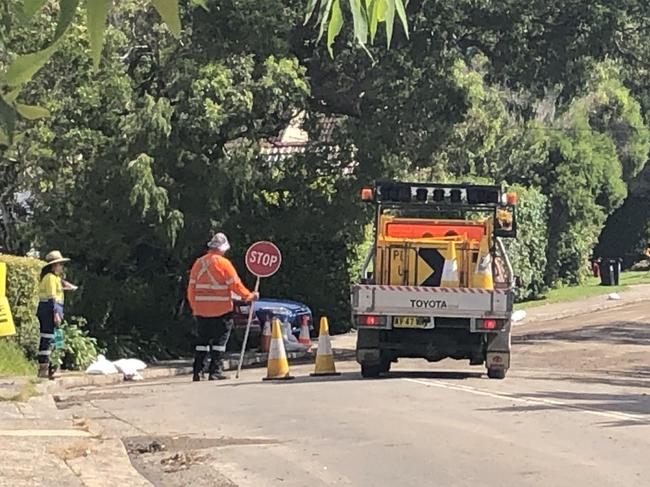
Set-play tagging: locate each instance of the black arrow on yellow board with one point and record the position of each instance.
(430, 265)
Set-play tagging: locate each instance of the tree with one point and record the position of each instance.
(21, 69)
(165, 142)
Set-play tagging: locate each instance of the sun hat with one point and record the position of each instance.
(55, 257)
(219, 242)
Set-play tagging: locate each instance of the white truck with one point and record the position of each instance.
(437, 282)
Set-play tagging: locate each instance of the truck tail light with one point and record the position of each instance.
(371, 320)
(489, 324)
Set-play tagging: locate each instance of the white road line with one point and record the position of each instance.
(534, 401)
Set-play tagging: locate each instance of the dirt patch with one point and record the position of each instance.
(75, 450)
(179, 461)
(182, 461)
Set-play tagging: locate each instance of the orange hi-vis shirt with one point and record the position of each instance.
(213, 279)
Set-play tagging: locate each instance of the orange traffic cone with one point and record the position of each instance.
(277, 365)
(304, 337)
(450, 277)
(324, 357)
(482, 277)
(265, 343)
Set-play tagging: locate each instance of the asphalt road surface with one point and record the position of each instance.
(573, 411)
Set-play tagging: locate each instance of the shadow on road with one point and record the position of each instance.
(636, 405)
(630, 378)
(622, 333)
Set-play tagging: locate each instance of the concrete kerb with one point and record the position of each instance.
(579, 311)
(161, 370)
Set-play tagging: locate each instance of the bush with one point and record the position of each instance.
(80, 350)
(22, 292)
(13, 360)
(527, 252)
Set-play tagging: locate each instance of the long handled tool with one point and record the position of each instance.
(248, 329)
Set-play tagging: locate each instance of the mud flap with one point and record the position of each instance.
(498, 360)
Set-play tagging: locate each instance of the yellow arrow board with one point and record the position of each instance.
(430, 265)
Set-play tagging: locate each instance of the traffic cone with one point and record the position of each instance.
(450, 276)
(324, 356)
(7, 327)
(265, 343)
(304, 337)
(277, 365)
(482, 277)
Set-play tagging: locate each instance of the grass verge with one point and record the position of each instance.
(587, 290)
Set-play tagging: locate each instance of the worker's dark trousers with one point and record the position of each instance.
(46, 322)
(213, 334)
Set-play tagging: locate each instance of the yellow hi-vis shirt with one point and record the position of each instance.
(51, 287)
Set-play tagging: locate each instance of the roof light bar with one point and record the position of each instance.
(438, 193)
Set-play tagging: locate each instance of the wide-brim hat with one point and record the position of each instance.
(55, 257)
(219, 242)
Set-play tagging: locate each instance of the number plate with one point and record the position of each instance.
(411, 322)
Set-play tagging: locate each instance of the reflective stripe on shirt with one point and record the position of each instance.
(216, 287)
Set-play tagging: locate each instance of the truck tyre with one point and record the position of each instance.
(496, 373)
(371, 371)
(385, 366)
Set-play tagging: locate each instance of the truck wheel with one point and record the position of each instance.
(370, 371)
(385, 366)
(496, 373)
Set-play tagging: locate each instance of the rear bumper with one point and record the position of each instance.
(432, 345)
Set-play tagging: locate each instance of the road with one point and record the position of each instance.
(574, 411)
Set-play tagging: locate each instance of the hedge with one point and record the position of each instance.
(22, 292)
(527, 252)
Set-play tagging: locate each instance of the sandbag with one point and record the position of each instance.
(101, 366)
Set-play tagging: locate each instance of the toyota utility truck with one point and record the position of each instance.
(437, 282)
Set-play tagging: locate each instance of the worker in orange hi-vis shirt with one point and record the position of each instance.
(213, 279)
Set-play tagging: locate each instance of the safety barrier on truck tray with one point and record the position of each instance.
(422, 289)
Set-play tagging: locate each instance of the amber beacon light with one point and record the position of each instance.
(367, 194)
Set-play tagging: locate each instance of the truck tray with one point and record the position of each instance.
(431, 301)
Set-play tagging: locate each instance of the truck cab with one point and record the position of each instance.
(437, 282)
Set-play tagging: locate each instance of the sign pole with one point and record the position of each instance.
(248, 327)
(263, 259)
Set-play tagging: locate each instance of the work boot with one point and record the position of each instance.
(218, 375)
(216, 366)
(51, 372)
(197, 367)
(43, 371)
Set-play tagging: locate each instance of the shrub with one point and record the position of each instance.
(13, 360)
(527, 252)
(80, 350)
(22, 292)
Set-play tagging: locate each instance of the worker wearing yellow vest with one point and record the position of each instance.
(50, 308)
(213, 280)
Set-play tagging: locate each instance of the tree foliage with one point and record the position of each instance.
(167, 140)
(22, 67)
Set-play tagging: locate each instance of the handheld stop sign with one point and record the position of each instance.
(263, 259)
